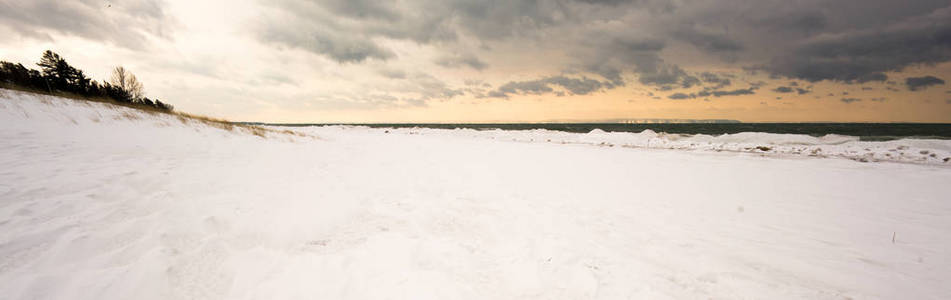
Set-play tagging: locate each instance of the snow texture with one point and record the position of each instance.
(104, 202)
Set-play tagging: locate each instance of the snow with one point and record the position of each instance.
(917, 151)
(104, 202)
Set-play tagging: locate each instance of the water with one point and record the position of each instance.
(865, 131)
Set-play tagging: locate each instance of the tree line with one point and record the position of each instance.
(57, 76)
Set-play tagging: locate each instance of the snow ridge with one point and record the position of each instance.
(917, 151)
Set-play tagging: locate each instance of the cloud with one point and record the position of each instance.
(860, 56)
(714, 93)
(575, 86)
(919, 83)
(640, 56)
(716, 80)
(533, 87)
(681, 96)
(846, 41)
(799, 21)
(582, 86)
(361, 9)
(455, 61)
(666, 75)
(850, 100)
(333, 44)
(125, 23)
(737, 92)
(783, 89)
(393, 74)
(707, 41)
(786, 89)
(615, 55)
(428, 87)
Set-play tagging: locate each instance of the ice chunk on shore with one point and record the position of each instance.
(917, 151)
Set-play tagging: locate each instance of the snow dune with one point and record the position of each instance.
(102, 202)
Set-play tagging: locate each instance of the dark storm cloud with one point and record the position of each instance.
(575, 86)
(918, 83)
(862, 55)
(799, 21)
(123, 23)
(349, 32)
(605, 2)
(707, 41)
(641, 55)
(642, 41)
(421, 21)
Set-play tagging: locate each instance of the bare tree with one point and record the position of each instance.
(126, 81)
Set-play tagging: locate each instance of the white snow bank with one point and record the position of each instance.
(919, 151)
(29, 114)
(154, 208)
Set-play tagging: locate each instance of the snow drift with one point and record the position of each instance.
(104, 202)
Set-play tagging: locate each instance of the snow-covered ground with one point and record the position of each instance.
(100, 202)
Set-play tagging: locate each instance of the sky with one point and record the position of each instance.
(369, 61)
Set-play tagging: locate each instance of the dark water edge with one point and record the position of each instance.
(865, 131)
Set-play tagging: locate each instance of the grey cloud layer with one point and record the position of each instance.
(848, 41)
(123, 23)
(599, 45)
(862, 56)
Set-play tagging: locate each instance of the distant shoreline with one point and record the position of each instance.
(864, 131)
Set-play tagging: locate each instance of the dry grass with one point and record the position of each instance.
(185, 118)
